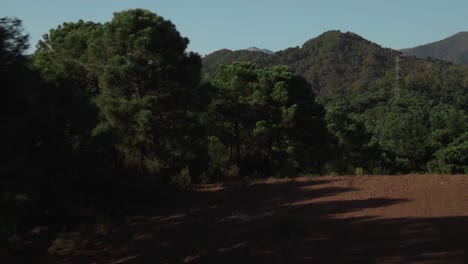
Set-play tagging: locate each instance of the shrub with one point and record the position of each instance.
(183, 179)
(359, 171)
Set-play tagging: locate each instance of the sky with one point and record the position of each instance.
(274, 24)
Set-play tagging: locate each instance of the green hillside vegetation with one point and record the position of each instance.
(332, 62)
(415, 132)
(226, 57)
(453, 49)
(370, 127)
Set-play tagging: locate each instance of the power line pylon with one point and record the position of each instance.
(396, 90)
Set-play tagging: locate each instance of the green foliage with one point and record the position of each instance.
(100, 110)
(352, 145)
(355, 80)
(183, 179)
(358, 171)
(453, 158)
(378, 132)
(12, 40)
(332, 62)
(136, 72)
(147, 81)
(265, 117)
(226, 57)
(63, 54)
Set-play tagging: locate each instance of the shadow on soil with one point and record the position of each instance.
(276, 223)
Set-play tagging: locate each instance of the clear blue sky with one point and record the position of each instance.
(274, 24)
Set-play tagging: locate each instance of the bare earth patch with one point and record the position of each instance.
(350, 219)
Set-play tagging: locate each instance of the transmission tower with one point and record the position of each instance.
(396, 90)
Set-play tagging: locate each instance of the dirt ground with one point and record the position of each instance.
(347, 219)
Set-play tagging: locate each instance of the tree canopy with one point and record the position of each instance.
(265, 120)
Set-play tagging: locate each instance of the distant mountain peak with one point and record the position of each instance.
(267, 51)
(331, 62)
(453, 48)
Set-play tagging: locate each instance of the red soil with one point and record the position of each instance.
(368, 219)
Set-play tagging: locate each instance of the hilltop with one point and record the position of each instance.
(267, 51)
(333, 62)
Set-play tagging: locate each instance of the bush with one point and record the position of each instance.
(233, 173)
(204, 178)
(183, 179)
(359, 171)
(453, 158)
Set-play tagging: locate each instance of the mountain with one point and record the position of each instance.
(267, 51)
(225, 57)
(453, 49)
(333, 62)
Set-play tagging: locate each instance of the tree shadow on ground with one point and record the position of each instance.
(276, 223)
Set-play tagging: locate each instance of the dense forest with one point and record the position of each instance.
(106, 114)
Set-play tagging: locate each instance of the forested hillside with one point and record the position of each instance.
(333, 62)
(423, 129)
(373, 128)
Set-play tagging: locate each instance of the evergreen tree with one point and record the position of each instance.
(147, 80)
(265, 121)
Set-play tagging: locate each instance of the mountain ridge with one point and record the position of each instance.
(267, 51)
(332, 62)
(453, 49)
